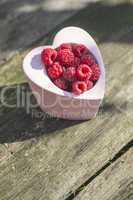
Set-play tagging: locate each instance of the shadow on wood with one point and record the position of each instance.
(22, 119)
(98, 18)
(103, 19)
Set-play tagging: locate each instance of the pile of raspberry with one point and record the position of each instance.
(71, 67)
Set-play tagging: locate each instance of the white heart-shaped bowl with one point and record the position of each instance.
(52, 99)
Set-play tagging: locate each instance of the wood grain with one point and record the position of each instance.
(60, 162)
(116, 183)
(24, 22)
(50, 158)
(110, 40)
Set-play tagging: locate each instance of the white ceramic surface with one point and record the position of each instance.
(87, 103)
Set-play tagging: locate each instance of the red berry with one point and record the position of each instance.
(48, 56)
(55, 71)
(61, 84)
(89, 84)
(79, 50)
(83, 72)
(78, 87)
(65, 46)
(71, 67)
(76, 61)
(70, 73)
(88, 59)
(95, 72)
(66, 57)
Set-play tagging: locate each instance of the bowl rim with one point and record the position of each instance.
(48, 85)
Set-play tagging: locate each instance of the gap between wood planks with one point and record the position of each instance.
(72, 195)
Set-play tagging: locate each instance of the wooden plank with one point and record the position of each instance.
(115, 183)
(60, 162)
(24, 22)
(4, 153)
(11, 72)
(67, 153)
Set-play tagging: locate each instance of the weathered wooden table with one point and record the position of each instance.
(43, 158)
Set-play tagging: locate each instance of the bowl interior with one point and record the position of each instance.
(35, 70)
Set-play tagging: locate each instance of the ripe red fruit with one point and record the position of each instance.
(79, 50)
(69, 73)
(89, 84)
(61, 84)
(76, 61)
(66, 46)
(48, 56)
(55, 71)
(88, 59)
(83, 72)
(95, 72)
(66, 57)
(78, 87)
(71, 67)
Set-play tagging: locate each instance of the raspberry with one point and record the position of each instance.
(79, 50)
(70, 73)
(78, 87)
(88, 60)
(76, 62)
(61, 84)
(83, 72)
(48, 56)
(65, 46)
(66, 57)
(55, 71)
(89, 84)
(95, 72)
(71, 67)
